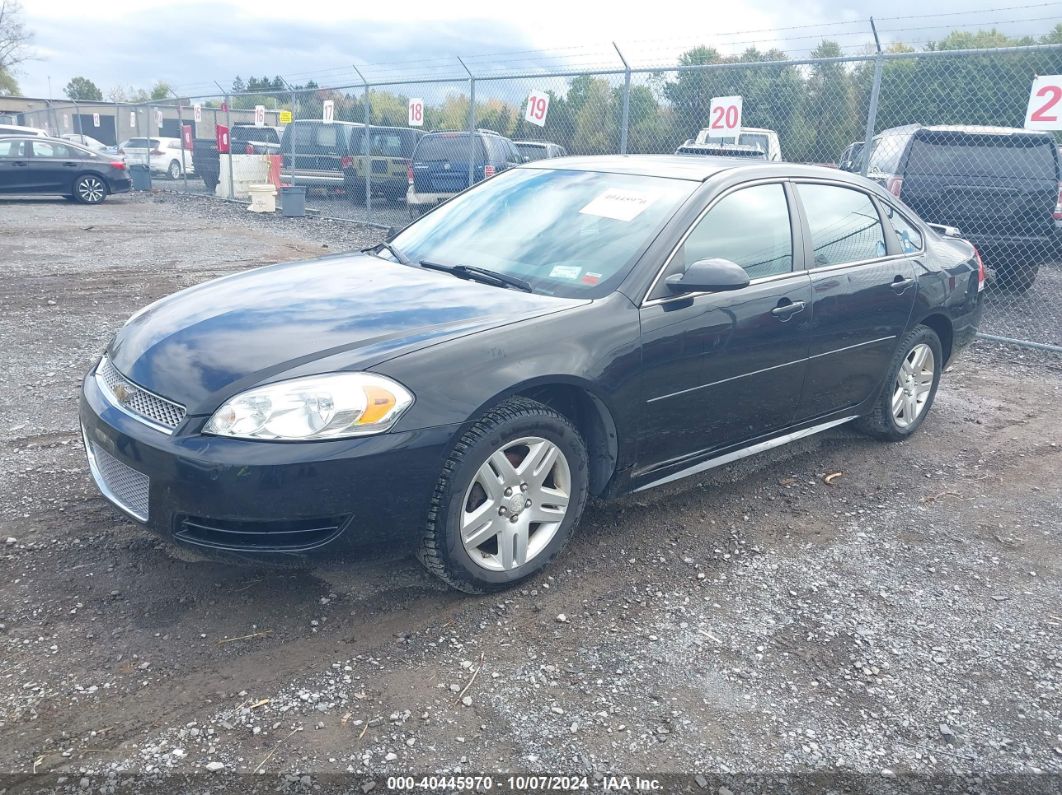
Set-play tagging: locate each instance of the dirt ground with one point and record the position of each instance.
(902, 622)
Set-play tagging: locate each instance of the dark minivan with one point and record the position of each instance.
(998, 185)
(391, 153)
(443, 162)
(313, 151)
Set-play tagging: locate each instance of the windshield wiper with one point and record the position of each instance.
(398, 255)
(478, 274)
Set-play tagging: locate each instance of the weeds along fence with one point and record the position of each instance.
(353, 160)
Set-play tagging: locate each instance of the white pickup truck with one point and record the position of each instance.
(767, 140)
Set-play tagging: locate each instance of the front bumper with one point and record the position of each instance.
(262, 500)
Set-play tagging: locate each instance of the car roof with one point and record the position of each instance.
(701, 168)
(534, 143)
(697, 169)
(969, 129)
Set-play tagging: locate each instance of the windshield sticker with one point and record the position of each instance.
(619, 205)
(591, 278)
(565, 272)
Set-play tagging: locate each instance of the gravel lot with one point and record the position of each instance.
(900, 624)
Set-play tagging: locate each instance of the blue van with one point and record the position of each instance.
(442, 160)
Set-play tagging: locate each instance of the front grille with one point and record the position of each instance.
(296, 535)
(124, 486)
(142, 404)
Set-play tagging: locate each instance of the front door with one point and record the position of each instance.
(14, 165)
(723, 368)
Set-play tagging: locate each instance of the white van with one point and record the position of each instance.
(766, 140)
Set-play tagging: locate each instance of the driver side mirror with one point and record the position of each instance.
(709, 275)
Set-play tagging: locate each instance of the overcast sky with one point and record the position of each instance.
(192, 44)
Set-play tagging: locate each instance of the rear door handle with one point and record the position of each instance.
(786, 309)
(70, 165)
(900, 284)
(20, 163)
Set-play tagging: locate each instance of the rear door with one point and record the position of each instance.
(441, 162)
(53, 166)
(991, 186)
(863, 291)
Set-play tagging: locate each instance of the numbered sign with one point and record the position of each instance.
(197, 113)
(724, 117)
(1045, 104)
(416, 112)
(132, 119)
(186, 137)
(328, 111)
(158, 118)
(95, 120)
(537, 108)
(259, 115)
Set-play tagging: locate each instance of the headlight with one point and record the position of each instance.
(319, 407)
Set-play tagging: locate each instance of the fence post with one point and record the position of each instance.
(366, 149)
(180, 129)
(228, 125)
(872, 111)
(291, 138)
(625, 121)
(471, 124)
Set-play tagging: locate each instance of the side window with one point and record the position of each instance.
(910, 237)
(749, 227)
(885, 153)
(12, 148)
(844, 225)
(49, 149)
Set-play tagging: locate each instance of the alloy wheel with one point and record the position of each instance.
(914, 382)
(91, 190)
(515, 504)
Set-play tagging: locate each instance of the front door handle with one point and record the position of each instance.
(900, 284)
(786, 309)
(70, 165)
(20, 163)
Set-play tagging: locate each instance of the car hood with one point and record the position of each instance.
(345, 312)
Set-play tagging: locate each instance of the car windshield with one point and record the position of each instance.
(567, 233)
(950, 154)
(532, 151)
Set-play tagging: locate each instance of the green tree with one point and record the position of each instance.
(81, 88)
(14, 44)
(831, 108)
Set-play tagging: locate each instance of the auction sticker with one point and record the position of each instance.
(619, 205)
(565, 272)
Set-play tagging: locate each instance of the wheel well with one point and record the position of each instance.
(942, 326)
(594, 422)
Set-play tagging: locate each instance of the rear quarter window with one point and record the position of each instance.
(886, 153)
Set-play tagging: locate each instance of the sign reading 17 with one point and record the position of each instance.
(1045, 104)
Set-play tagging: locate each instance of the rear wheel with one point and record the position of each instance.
(1017, 276)
(509, 497)
(174, 170)
(90, 189)
(910, 386)
(211, 182)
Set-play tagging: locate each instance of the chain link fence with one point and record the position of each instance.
(944, 128)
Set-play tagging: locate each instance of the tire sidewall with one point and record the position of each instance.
(174, 165)
(77, 193)
(920, 335)
(546, 426)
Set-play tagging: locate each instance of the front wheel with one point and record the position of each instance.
(90, 189)
(910, 386)
(174, 170)
(509, 497)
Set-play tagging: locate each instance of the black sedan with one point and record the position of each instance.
(571, 328)
(52, 166)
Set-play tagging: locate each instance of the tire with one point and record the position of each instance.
(894, 423)
(211, 182)
(174, 171)
(1017, 277)
(90, 189)
(510, 439)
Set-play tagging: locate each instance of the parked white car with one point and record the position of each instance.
(15, 129)
(162, 155)
(88, 142)
(766, 140)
